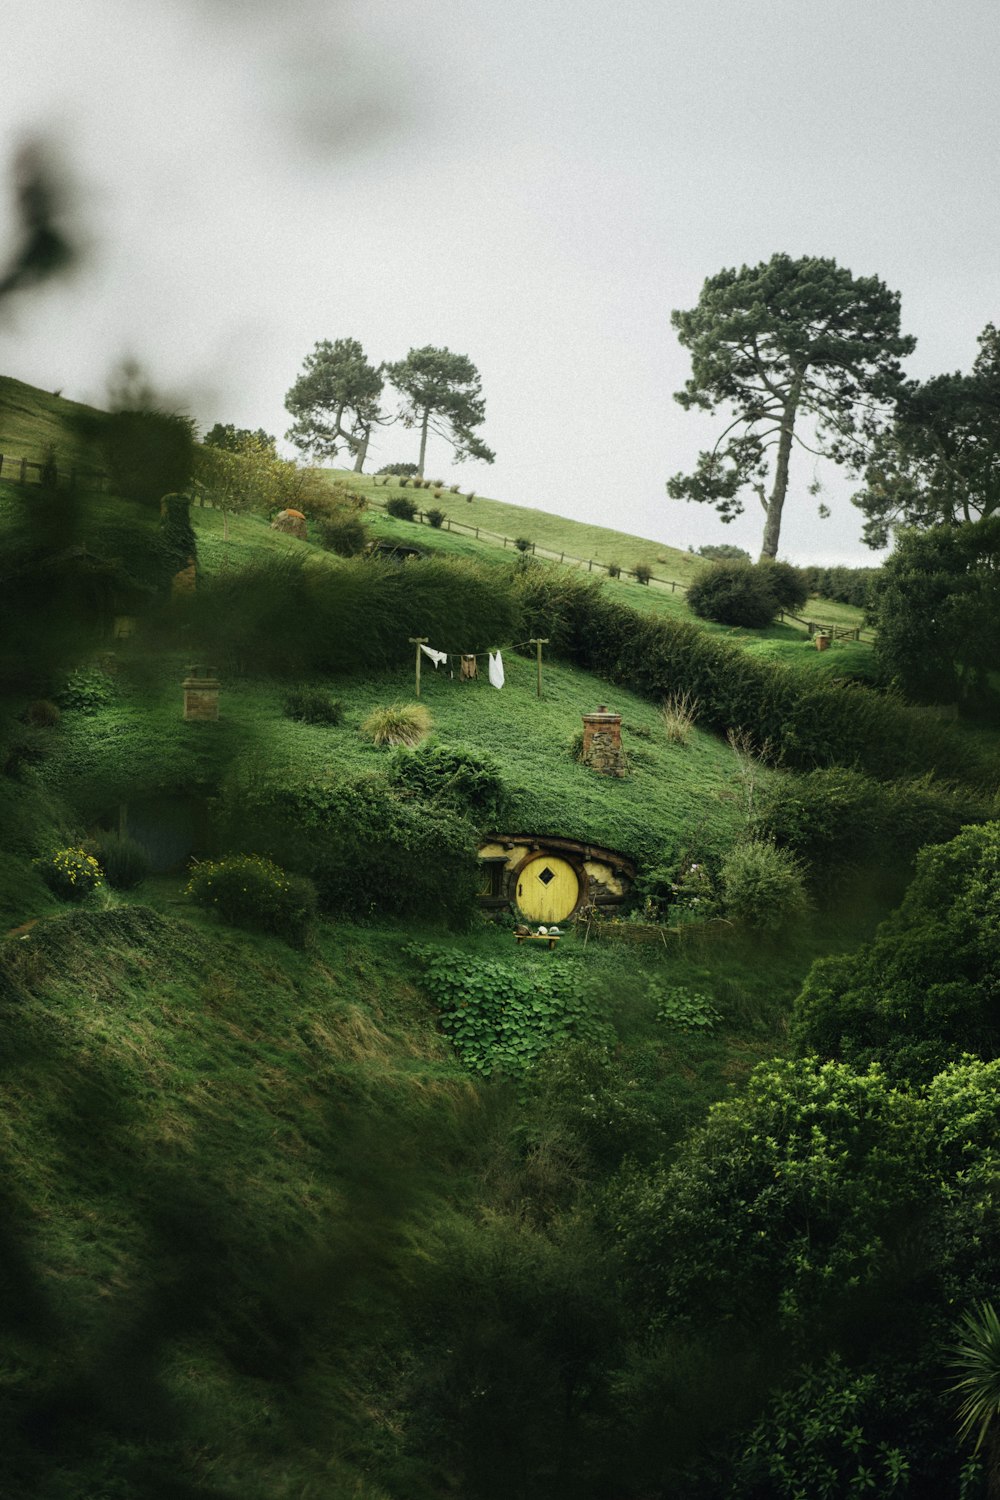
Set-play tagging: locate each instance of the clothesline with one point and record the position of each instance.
(430, 651)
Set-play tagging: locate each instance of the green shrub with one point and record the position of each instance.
(734, 593)
(86, 690)
(71, 874)
(681, 1008)
(788, 585)
(502, 1016)
(762, 886)
(614, 570)
(837, 819)
(125, 862)
(523, 544)
(642, 572)
(723, 552)
(41, 714)
(924, 990)
(400, 507)
(367, 849)
(397, 724)
(470, 782)
(435, 517)
(344, 533)
(249, 891)
(313, 706)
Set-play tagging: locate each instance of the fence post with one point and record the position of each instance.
(1, 463)
(477, 533)
(561, 556)
(673, 587)
(24, 471)
(590, 566)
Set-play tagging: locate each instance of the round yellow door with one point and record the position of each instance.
(547, 889)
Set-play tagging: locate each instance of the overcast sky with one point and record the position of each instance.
(535, 184)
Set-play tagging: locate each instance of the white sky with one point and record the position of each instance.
(535, 184)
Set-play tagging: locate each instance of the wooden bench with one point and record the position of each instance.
(537, 937)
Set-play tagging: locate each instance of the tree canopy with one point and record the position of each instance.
(443, 394)
(940, 459)
(936, 606)
(336, 401)
(774, 343)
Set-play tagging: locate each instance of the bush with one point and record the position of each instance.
(614, 570)
(523, 544)
(837, 819)
(788, 585)
(763, 886)
(397, 724)
(41, 714)
(313, 706)
(124, 861)
(469, 782)
(87, 690)
(344, 533)
(435, 517)
(734, 594)
(400, 507)
(71, 874)
(407, 469)
(251, 892)
(643, 572)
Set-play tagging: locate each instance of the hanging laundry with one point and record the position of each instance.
(496, 670)
(469, 669)
(437, 657)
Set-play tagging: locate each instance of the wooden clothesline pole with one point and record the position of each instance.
(418, 641)
(538, 641)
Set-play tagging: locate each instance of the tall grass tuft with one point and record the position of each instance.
(679, 711)
(397, 724)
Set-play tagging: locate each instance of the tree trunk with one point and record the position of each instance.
(423, 442)
(361, 451)
(772, 525)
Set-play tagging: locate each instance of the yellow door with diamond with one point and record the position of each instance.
(547, 889)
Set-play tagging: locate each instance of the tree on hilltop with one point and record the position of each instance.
(240, 439)
(776, 342)
(940, 459)
(443, 395)
(336, 401)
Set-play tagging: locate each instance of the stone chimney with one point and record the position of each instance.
(201, 694)
(602, 743)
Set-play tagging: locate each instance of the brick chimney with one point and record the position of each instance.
(602, 743)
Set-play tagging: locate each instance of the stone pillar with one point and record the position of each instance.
(201, 694)
(602, 743)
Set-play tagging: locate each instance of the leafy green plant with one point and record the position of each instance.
(614, 570)
(435, 517)
(397, 724)
(523, 543)
(249, 891)
(313, 706)
(642, 572)
(763, 887)
(400, 507)
(86, 690)
(681, 1008)
(976, 1359)
(124, 860)
(408, 469)
(71, 874)
(502, 1016)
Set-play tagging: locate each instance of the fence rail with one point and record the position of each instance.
(18, 470)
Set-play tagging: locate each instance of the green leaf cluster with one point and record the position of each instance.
(501, 1017)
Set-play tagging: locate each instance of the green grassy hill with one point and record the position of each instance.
(267, 1233)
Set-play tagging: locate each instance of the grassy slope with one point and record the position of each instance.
(32, 421)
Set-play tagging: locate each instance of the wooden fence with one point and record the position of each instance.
(25, 471)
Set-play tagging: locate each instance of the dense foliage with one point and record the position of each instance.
(925, 990)
(252, 892)
(734, 593)
(456, 776)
